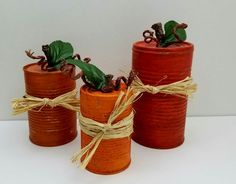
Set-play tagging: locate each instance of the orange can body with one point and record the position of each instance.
(49, 126)
(112, 155)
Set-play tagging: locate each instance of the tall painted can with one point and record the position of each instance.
(159, 120)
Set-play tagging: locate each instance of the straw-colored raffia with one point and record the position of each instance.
(118, 130)
(124, 128)
(67, 100)
(110, 130)
(183, 88)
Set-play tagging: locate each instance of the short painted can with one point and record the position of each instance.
(49, 126)
(112, 155)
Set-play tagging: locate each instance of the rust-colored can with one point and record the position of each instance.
(49, 126)
(159, 121)
(112, 155)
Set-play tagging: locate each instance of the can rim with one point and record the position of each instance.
(39, 72)
(142, 46)
(85, 89)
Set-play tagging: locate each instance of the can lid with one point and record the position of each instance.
(95, 93)
(142, 46)
(34, 68)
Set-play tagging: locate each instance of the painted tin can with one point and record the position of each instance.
(112, 155)
(160, 119)
(49, 126)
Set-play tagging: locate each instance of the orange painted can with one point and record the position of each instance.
(112, 155)
(49, 126)
(159, 121)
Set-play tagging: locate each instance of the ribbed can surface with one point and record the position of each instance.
(112, 155)
(159, 121)
(49, 126)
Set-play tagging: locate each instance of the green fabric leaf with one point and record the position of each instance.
(59, 50)
(169, 35)
(182, 34)
(92, 74)
(168, 27)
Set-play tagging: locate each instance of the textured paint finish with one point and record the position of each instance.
(160, 119)
(49, 126)
(113, 155)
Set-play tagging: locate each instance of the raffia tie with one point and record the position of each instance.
(183, 88)
(110, 130)
(67, 100)
(124, 128)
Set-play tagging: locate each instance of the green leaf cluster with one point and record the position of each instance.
(93, 75)
(58, 51)
(169, 36)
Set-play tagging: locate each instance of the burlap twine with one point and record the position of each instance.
(124, 128)
(67, 100)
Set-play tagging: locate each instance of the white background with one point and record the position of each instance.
(206, 157)
(105, 31)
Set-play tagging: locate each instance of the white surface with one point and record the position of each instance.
(105, 31)
(206, 157)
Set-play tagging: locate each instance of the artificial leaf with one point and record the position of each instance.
(169, 35)
(167, 41)
(59, 50)
(168, 27)
(182, 34)
(92, 74)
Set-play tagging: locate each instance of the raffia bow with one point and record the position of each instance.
(183, 88)
(67, 100)
(123, 128)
